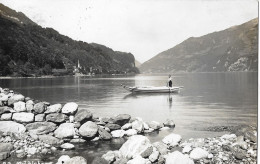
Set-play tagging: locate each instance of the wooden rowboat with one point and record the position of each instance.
(152, 89)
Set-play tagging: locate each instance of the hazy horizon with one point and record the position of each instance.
(142, 27)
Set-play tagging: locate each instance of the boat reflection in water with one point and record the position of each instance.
(169, 97)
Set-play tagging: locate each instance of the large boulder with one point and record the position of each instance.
(19, 106)
(103, 134)
(198, 153)
(122, 119)
(138, 160)
(83, 116)
(39, 108)
(76, 160)
(53, 108)
(138, 126)
(65, 130)
(15, 98)
(238, 152)
(11, 126)
(70, 108)
(178, 157)
(88, 129)
(135, 146)
(57, 117)
(172, 139)
(113, 126)
(41, 127)
(50, 139)
(23, 117)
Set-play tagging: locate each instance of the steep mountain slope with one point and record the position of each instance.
(233, 49)
(27, 49)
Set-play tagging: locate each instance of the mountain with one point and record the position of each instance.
(233, 49)
(27, 49)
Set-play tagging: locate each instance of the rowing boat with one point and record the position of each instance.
(152, 89)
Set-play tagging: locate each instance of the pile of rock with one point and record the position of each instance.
(225, 149)
(38, 127)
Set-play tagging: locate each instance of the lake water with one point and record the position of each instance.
(207, 100)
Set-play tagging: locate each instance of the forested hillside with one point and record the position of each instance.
(26, 49)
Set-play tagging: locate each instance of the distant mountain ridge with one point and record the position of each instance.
(233, 49)
(26, 49)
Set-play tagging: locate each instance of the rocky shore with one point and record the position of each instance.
(29, 127)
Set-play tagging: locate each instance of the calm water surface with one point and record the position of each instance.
(208, 99)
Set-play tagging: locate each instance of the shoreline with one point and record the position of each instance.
(98, 75)
(46, 128)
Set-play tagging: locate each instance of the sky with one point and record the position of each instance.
(141, 27)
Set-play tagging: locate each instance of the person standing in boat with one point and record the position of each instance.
(170, 81)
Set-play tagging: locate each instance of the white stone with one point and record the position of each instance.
(4, 97)
(155, 125)
(138, 126)
(138, 160)
(11, 126)
(118, 133)
(23, 117)
(172, 139)
(210, 156)
(165, 128)
(177, 158)
(95, 139)
(70, 108)
(146, 127)
(6, 117)
(228, 136)
(134, 146)
(19, 106)
(109, 156)
(67, 146)
(154, 156)
(126, 126)
(31, 150)
(130, 132)
(198, 153)
(53, 108)
(29, 105)
(71, 118)
(186, 149)
(63, 159)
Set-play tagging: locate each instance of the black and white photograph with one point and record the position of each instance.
(129, 81)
